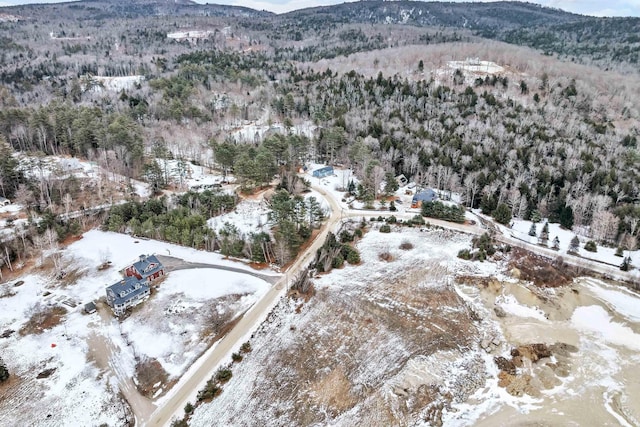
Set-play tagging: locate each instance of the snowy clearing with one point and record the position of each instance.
(86, 357)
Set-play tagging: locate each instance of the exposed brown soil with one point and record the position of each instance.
(69, 240)
(218, 325)
(419, 317)
(385, 256)
(150, 377)
(530, 370)
(542, 271)
(43, 320)
(333, 391)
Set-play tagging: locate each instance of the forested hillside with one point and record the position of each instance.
(124, 83)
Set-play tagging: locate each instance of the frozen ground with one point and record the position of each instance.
(353, 355)
(77, 392)
(116, 84)
(257, 131)
(356, 352)
(173, 327)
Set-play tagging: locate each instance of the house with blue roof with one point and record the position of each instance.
(427, 195)
(322, 172)
(126, 293)
(135, 285)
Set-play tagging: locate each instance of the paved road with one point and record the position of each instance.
(196, 377)
(175, 264)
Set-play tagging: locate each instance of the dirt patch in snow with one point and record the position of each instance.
(541, 270)
(43, 319)
(150, 376)
(533, 368)
(333, 391)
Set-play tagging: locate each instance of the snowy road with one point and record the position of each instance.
(196, 377)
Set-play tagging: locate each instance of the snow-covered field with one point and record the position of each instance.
(62, 167)
(76, 393)
(116, 84)
(257, 132)
(476, 66)
(249, 216)
(189, 35)
(174, 326)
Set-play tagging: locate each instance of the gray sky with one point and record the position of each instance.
(585, 7)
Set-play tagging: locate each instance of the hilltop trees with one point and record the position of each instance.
(10, 176)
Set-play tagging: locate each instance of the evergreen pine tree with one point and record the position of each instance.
(556, 243)
(574, 246)
(532, 230)
(4, 372)
(626, 264)
(544, 235)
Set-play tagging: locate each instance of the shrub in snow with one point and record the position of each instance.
(345, 236)
(591, 246)
(464, 254)
(619, 251)
(385, 228)
(351, 255)
(224, 375)
(406, 245)
(338, 261)
(556, 243)
(532, 230)
(574, 245)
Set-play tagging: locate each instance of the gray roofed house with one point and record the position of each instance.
(126, 293)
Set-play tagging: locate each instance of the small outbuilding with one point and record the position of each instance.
(402, 180)
(90, 308)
